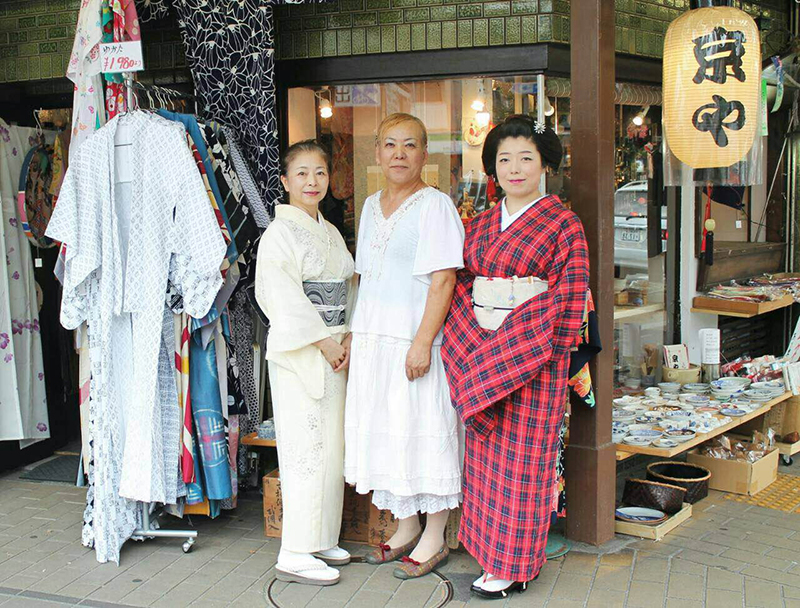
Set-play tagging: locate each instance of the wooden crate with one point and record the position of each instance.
(654, 532)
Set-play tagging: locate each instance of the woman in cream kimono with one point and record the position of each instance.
(304, 285)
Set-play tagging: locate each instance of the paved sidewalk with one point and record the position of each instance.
(728, 554)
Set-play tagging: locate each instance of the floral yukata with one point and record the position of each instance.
(509, 386)
(125, 237)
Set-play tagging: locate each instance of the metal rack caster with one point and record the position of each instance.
(188, 545)
(787, 460)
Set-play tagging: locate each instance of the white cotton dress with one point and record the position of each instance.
(402, 437)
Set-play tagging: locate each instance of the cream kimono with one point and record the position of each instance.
(304, 285)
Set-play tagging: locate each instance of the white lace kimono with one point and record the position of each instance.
(307, 396)
(123, 241)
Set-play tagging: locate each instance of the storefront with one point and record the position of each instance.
(342, 66)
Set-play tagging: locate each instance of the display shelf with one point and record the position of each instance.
(253, 440)
(626, 312)
(735, 308)
(701, 437)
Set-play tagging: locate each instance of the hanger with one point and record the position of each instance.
(39, 130)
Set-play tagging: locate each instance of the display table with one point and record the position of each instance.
(626, 451)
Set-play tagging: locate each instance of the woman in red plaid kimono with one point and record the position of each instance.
(509, 383)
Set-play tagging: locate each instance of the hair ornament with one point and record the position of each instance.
(538, 127)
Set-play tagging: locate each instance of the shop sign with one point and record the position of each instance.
(121, 57)
(712, 86)
(357, 95)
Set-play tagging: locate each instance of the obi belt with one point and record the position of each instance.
(329, 298)
(493, 299)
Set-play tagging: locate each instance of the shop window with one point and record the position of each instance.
(458, 114)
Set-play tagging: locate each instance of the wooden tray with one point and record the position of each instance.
(735, 308)
(654, 532)
(252, 439)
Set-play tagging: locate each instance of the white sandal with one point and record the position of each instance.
(335, 556)
(311, 573)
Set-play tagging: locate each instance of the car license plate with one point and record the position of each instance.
(629, 234)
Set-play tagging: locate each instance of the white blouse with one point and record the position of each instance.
(396, 256)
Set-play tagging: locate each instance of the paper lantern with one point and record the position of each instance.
(712, 83)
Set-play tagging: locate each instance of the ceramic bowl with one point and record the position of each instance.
(635, 428)
(732, 411)
(670, 387)
(636, 440)
(681, 435)
(665, 443)
(644, 433)
(618, 437)
(627, 400)
(730, 383)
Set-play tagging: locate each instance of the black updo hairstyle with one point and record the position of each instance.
(522, 125)
(307, 145)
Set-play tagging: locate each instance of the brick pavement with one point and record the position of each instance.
(728, 554)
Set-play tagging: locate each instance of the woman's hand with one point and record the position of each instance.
(346, 345)
(333, 352)
(418, 360)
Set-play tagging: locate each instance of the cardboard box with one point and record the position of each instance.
(783, 417)
(355, 515)
(737, 476)
(273, 505)
(362, 522)
(382, 525)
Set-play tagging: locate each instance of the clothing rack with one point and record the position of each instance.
(162, 94)
(150, 527)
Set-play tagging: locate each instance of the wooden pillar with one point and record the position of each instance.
(591, 462)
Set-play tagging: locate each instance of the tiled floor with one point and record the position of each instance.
(728, 554)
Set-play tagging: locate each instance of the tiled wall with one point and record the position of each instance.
(357, 27)
(36, 35)
(36, 40)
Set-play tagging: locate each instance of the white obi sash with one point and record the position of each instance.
(494, 298)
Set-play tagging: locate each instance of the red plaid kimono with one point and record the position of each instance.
(510, 386)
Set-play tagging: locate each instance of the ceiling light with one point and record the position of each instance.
(638, 120)
(482, 118)
(549, 110)
(325, 106)
(479, 104)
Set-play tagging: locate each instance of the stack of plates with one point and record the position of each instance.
(640, 515)
(697, 388)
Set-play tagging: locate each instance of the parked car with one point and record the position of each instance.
(630, 226)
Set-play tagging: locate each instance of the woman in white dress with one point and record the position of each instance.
(304, 285)
(401, 432)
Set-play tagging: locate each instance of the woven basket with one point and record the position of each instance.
(693, 477)
(654, 495)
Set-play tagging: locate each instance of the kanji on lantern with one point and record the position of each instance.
(712, 118)
(718, 51)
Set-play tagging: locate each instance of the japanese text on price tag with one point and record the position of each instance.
(121, 56)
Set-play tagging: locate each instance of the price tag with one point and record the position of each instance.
(37, 262)
(121, 56)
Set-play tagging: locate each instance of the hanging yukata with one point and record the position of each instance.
(509, 386)
(303, 283)
(84, 70)
(125, 237)
(23, 402)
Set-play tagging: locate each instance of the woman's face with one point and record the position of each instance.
(306, 179)
(401, 154)
(519, 167)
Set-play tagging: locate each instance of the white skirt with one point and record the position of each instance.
(401, 437)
